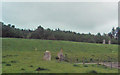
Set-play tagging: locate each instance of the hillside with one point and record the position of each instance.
(74, 48)
(23, 52)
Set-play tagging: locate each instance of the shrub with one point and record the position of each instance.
(22, 69)
(76, 65)
(3, 62)
(13, 61)
(85, 65)
(31, 65)
(93, 71)
(8, 64)
(40, 69)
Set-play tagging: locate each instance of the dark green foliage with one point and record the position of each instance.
(22, 69)
(85, 65)
(8, 64)
(7, 56)
(13, 62)
(4, 56)
(76, 65)
(93, 71)
(40, 69)
(91, 60)
(3, 62)
(31, 65)
(57, 34)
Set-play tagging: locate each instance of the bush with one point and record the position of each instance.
(93, 71)
(3, 62)
(8, 64)
(13, 61)
(40, 69)
(85, 65)
(31, 65)
(22, 69)
(76, 65)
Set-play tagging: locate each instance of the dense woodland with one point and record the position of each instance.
(57, 34)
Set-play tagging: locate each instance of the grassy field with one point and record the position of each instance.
(19, 56)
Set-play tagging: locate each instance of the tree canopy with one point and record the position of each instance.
(58, 34)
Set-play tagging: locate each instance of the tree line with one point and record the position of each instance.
(48, 34)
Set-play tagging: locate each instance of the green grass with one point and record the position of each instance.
(23, 52)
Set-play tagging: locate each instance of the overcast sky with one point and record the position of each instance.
(82, 17)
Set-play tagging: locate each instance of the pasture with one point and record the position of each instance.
(25, 56)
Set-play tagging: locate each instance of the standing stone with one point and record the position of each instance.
(47, 55)
(104, 41)
(109, 42)
(60, 55)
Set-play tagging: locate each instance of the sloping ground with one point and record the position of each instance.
(72, 49)
(42, 45)
(20, 56)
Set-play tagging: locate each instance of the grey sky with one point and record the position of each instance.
(83, 17)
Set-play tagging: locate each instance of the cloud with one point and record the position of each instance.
(80, 17)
